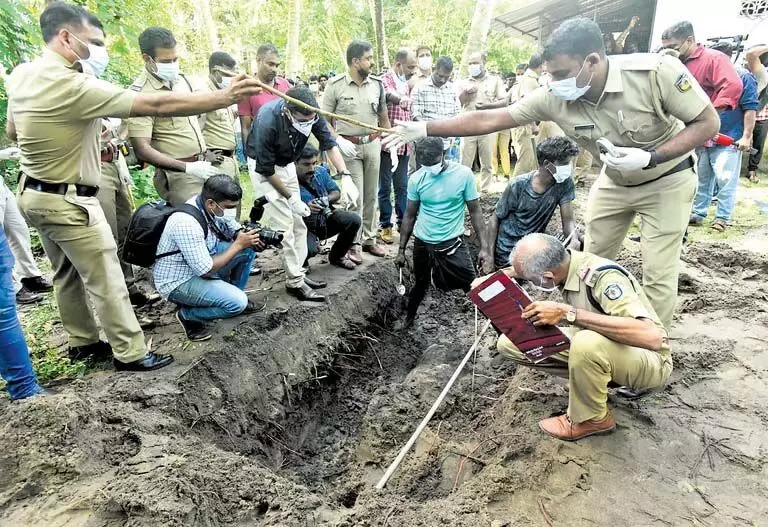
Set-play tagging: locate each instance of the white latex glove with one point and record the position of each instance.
(629, 159)
(394, 158)
(349, 190)
(405, 132)
(11, 152)
(201, 169)
(346, 146)
(299, 207)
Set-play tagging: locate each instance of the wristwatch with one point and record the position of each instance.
(571, 315)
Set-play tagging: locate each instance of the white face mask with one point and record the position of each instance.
(433, 170)
(167, 71)
(304, 127)
(230, 214)
(475, 70)
(568, 89)
(425, 63)
(541, 287)
(97, 61)
(226, 82)
(561, 173)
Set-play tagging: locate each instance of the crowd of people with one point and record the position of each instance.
(415, 133)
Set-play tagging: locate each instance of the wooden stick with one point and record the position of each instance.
(328, 115)
(403, 451)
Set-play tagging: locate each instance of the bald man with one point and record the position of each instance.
(616, 336)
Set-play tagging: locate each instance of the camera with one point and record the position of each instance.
(267, 236)
(324, 205)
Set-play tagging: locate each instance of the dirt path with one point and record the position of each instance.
(289, 417)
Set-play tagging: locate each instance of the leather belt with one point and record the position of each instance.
(219, 151)
(85, 191)
(685, 164)
(361, 139)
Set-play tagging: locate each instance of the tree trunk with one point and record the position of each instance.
(293, 62)
(478, 32)
(377, 16)
(204, 11)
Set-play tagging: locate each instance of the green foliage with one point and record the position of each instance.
(143, 189)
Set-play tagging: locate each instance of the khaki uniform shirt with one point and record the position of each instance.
(525, 85)
(57, 112)
(219, 126)
(489, 89)
(639, 88)
(343, 96)
(177, 137)
(617, 294)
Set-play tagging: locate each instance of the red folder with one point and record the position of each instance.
(502, 300)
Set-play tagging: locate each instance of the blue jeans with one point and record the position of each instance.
(718, 166)
(221, 296)
(15, 364)
(400, 180)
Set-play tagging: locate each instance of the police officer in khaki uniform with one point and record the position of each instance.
(173, 145)
(647, 105)
(478, 91)
(360, 95)
(56, 106)
(219, 125)
(117, 203)
(521, 136)
(615, 333)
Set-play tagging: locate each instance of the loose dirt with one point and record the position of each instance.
(290, 416)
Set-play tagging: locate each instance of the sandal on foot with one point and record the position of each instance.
(719, 226)
(344, 263)
(753, 178)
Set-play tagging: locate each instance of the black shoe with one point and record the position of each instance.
(254, 270)
(630, 393)
(695, 220)
(146, 322)
(25, 296)
(142, 299)
(315, 284)
(150, 361)
(252, 308)
(305, 293)
(37, 284)
(98, 351)
(194, 331)
(635, 238)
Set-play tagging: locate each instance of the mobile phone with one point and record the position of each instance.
(606, 147)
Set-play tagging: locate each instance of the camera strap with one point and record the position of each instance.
(309, 188)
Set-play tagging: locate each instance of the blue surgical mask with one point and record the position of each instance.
(475, 70)
(97, 61)
(167, 71)
(568, 89)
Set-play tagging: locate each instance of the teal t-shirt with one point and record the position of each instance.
(442, 198)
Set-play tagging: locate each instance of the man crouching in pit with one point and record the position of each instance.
(615, 333)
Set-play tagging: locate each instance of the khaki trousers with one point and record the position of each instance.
(117, 204)
(17, 232)
(279, 216)
(501, 152)
(548, 129)
(526, 157)
(176, 187)
(582, 165)
(482, 146)
(83, 253)
(364, 169)
(664, 207)
(230, 167)
(592, 361)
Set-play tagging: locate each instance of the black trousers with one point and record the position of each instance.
(341, 222)
(448, 264)
(758, 142)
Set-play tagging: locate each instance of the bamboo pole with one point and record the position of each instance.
(301, 104)
(403, 451)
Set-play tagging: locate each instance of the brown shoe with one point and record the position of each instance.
(355, 254)
(374, 250)
(561, 427)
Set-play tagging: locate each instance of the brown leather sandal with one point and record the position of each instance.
(719, 226)
(344, 263)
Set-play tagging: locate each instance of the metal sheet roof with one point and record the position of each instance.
(538, 19)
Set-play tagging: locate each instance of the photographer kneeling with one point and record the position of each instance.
(204, 258)
(320, 193)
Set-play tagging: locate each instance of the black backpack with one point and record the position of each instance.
(146, 228)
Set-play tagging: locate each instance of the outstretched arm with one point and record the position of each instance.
(472, 124)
